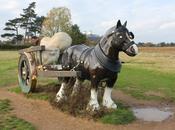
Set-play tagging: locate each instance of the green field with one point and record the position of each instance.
(8, 68)
(150, 75)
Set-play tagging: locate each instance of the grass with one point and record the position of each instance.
(119, 116)
(10, 122)
(5, 106)
(138, 81)
(14, 123)
(150, 75)
(8, 68)
(122, 115)
(40, 96)
(142, 76)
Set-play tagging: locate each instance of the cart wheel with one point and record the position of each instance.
(26, 78)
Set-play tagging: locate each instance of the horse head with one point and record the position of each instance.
(122, 39)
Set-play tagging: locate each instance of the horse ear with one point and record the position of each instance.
(125, 23)
(118, 24)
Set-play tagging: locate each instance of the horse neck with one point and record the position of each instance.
(108, 50)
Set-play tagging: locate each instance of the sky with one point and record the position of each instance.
(149, 20)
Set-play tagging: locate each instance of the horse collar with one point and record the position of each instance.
(112, 65)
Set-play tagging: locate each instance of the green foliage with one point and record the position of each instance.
(16, 90)
(8, 68)
(76, 35)
(29, 21)
(122, 115)
(28, 18)
(5, 106)
(138, 81)
(14, 123)
(37, 25)
(9, 35)
(9, 121)
(12, 26)
(58, 19)
(41, 95)
(13, 47)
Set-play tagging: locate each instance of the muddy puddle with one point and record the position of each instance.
(152, 113)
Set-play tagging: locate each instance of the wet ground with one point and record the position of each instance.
(153, 113)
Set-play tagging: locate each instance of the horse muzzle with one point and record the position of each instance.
(132, 50)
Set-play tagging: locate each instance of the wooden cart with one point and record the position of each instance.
(30, 67)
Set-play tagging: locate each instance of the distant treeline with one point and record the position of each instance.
(161, 44)
(13, 47)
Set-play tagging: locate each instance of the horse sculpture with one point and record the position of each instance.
(99, 63)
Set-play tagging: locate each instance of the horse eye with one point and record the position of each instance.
(120, 36)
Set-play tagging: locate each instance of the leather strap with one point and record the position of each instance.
(112, 65)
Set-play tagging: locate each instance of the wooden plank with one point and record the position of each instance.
(32, 49)
(58, 73)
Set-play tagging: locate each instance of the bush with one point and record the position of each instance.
(13, 47)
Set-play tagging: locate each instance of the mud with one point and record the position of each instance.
(44, 117)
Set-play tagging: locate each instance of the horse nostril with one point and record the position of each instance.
(132, 49)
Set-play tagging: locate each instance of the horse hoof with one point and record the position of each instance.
(60, 99)
(111, 105)
(57, 99)
(93, 107)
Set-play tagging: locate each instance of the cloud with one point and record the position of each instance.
(149, 20)
(168, 25)
(107, 24)
(9, 5)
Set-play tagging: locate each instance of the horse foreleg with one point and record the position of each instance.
(61, 93)
(107, 100)
(93, 102)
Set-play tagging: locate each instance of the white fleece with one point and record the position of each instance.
(54, 46)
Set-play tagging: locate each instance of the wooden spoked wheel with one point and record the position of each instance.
(27, 79)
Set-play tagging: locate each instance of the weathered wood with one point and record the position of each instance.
(32, 49)
(58, 73)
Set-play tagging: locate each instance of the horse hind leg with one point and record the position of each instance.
(76, 87)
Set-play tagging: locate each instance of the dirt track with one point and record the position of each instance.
(42, 115)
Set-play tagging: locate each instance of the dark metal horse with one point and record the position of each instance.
(99, 63)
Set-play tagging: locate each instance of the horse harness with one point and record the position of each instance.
(112, 65)
(106, 62)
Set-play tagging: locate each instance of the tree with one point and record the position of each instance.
(12, 26)
(28, 17)
(58, 19)
(77, 36)
(37, 25)
(29, 21)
